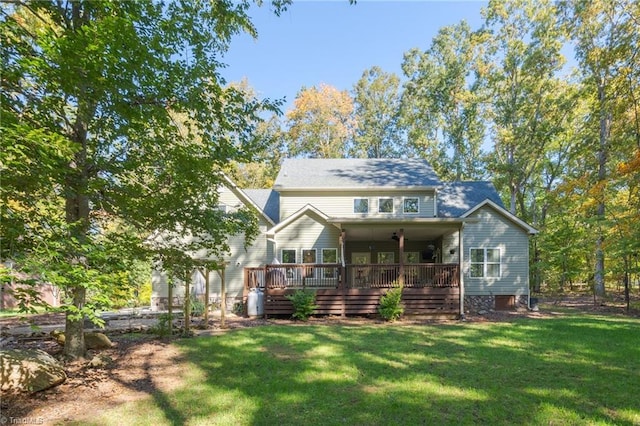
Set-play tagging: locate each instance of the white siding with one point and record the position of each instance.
(340, 204)
(495, 231)
(308, 232)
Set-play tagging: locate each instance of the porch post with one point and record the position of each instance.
(401, 254)
(343, 274)
(460, 269)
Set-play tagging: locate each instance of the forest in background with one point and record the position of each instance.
(543, 100)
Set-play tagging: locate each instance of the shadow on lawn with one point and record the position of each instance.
(570, 370)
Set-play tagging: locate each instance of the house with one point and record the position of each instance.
(351, 228)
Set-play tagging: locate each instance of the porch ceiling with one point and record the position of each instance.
(380, 232)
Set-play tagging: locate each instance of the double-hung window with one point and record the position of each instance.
(329, 255)
(289, 256)
(309, 256)
(485, 263)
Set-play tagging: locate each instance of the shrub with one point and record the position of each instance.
(197, 307)
(304, 303)
(163, 326)
(390, 307)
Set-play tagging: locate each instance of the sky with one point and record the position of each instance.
(333, 42)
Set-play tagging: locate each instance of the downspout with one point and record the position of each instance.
(461, 270)
(435, 202)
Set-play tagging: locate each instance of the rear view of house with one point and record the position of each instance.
(352, 228)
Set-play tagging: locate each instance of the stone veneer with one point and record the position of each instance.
(477, 304)
(162, 303)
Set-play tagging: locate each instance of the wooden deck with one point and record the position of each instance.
(429, 289)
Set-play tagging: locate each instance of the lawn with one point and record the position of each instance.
(575, 369)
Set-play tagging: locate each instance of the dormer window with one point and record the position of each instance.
(361, 205)
(385, 205)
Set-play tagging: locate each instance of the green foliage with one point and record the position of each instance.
(304, 303)
(116, 124)
(377, 109)
(391, 307)
(163, 327)
(196, 306)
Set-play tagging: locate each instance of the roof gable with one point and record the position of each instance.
(503, 212)
(342, 173)
(297, 215)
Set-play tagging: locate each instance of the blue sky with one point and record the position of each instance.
(333, 42)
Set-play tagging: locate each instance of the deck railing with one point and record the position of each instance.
(352, 276)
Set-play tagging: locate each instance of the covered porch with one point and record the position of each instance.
(422, 258)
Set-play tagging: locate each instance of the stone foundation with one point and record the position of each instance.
(162, 303)
(479, 304)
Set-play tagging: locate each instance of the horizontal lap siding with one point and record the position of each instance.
(340, 204)
(422, 301)
(308, 233)
(495, 231)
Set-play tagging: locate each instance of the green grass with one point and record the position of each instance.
(572, 370)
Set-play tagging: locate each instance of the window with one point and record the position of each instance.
(361, 205)
(289, 256)
(309, 256)
(485, 263)
(411, 205)
(329, 255)
(385, 257)
(385, 205)
(411, 257)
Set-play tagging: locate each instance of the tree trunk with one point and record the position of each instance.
(74, 346)
(187, 303)
(599, 288)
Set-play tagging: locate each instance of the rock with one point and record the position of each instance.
(29, 370)
(99, 361)
(483, 312)
(97, 341)
(92, 340)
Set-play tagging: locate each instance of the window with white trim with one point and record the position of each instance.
(485, 262)
(385, 205)
(288, 256)
(386, 257)
(329, 255)
(361, 205)
(411, 205)
(309, 256)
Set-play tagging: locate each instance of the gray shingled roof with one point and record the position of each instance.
(354, 173)
(456, 198)
(268, 200)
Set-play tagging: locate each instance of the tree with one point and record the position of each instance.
(440, 105)
(133, 89)
(523, 85)
(607, 51)
(321, 123)
(377, 111)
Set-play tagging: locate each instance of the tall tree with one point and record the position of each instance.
(377, 111)
(522, 85)
(440, 105)
(112, 80)
(321, 123)
(607, 51)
